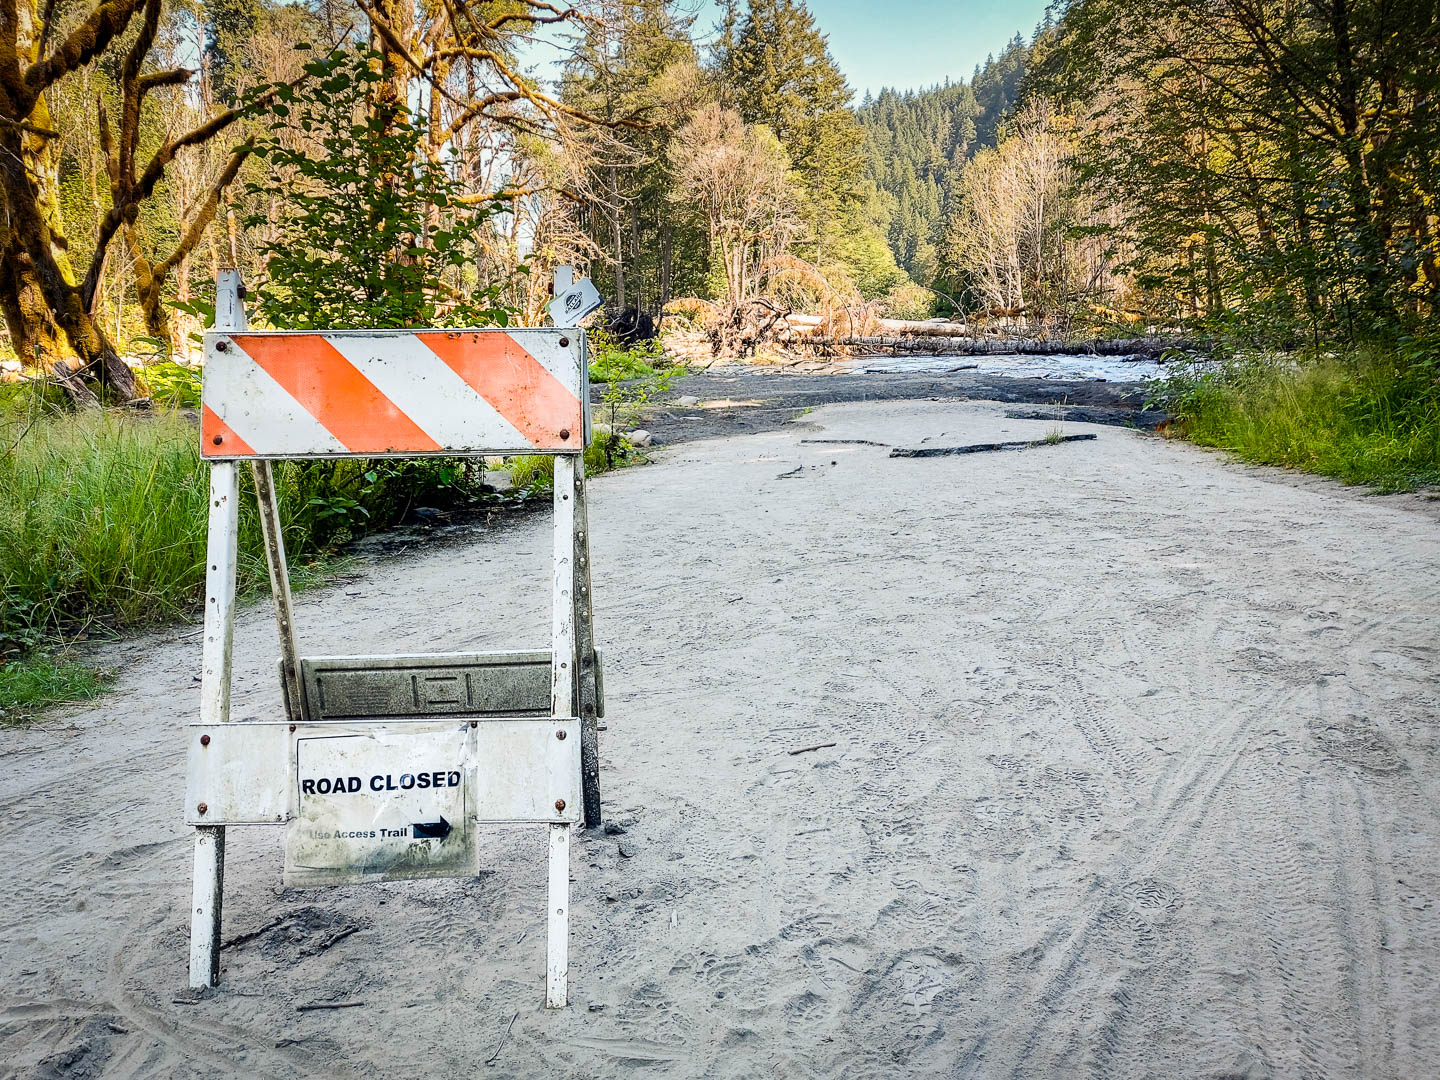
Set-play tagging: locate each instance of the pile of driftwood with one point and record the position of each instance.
(761, 329)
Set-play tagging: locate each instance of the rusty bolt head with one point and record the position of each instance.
(218, 439)
(559, 805)
(565, 433)
(204, 740)
(222, 346)
(560, 735)
(201, 807)
(292, 727)
(564, 341)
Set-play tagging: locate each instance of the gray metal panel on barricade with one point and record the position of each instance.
(510, 683)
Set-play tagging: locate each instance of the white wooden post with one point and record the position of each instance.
(216, 652)
(221, 552)
(205, 897)
(562, 703)
(557, 952)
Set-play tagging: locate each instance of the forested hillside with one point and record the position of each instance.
(747, 154)
(1261, 169)
(917, 145)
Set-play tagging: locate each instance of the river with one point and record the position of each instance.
(1106, 368)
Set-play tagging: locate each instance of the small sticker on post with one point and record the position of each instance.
(574, 303)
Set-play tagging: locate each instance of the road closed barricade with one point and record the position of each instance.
(388, 767)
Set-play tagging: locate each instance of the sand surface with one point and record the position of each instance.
(1137, 773)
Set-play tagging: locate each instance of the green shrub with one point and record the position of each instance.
(1372, 418)
(171, 385)
(374, 231)
(610, 362)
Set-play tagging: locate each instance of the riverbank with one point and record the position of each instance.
(1135, 773)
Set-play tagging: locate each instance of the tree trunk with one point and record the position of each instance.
(182, 325)
(33, 334)
(619, 242)
(43, 311)
(391, 95)
(637, 287)
(147, 289)
(667, 246)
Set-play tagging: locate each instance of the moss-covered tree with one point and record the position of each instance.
(47, 306)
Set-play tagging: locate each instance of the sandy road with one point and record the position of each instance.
(1137, 774)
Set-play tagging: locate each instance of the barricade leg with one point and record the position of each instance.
(585, 648)
(205, 899)
(216, 653)
(557, 953)
(562, 704)
(279, 586)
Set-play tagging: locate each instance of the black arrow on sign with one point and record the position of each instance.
(431, 830)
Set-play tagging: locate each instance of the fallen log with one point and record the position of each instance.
(984, 447)
(893, 326)
(972, 346)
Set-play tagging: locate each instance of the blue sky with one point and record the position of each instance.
(913, 43)
(907, 44)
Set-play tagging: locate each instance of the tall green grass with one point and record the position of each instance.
(1365, 419)
(103, 517)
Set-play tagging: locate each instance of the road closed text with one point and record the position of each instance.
(341, 785)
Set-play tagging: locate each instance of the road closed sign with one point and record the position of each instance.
(381, 803)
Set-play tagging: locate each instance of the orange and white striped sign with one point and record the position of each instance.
(376, 392)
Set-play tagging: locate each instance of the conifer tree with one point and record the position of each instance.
(776, 70)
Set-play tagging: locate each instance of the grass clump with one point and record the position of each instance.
(104, 518)
(40, 680)
(534, 474)
(1371, 418)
